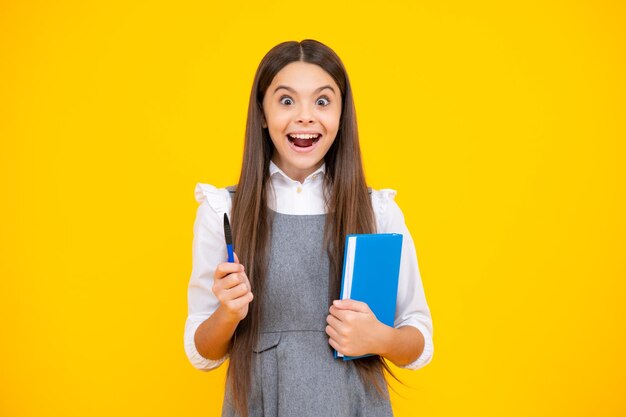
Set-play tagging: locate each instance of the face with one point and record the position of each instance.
(302, 108)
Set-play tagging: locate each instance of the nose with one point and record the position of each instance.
(305, 115)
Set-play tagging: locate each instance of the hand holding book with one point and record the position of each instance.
(358, 323)
(353, 328)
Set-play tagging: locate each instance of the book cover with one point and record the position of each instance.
(371, 270)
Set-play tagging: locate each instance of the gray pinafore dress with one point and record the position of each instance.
(294, 371)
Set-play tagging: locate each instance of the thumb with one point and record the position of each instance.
(353, 305)
(243, 268)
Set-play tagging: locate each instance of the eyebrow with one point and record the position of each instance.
(294, 91)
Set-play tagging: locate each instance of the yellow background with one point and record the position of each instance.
(500, 124)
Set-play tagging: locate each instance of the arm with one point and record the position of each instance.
(213, 336)
(413, 322)
(354, 330)
(218, 294)
(201, 300)
(232, 289)
(402, 346)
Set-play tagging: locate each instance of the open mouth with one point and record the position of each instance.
(303, 143)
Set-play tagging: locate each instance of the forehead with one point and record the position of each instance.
(303, 77)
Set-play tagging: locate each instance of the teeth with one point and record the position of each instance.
(304, 136)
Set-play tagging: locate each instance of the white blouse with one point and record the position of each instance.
(292, 197)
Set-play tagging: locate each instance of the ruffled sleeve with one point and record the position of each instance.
(218, 198)
(380, 203)
(208, 250)
(412, 308)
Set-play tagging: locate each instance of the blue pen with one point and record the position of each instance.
(229, 239)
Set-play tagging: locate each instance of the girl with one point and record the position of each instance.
(275, 311)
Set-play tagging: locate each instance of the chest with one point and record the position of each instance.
(296, 284)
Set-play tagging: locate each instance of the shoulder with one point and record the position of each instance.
(215, 198)
(385, 208)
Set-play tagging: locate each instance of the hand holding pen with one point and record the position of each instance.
(231, 285)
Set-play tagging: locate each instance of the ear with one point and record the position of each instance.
(262, 112)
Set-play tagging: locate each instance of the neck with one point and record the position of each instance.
(297, 174)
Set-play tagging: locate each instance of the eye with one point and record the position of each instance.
(284, 97)
(324, 98)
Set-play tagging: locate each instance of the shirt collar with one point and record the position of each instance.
(274, 169)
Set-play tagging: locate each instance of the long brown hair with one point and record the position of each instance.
(349, 209)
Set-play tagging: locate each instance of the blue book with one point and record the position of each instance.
(371, 269)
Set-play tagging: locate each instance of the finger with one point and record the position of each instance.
(335, 323)
(246, 280)
(334, 344)
(237, 260)
(332, 333)
(242, 267)
(353, 305)
(229, 281)
(237, 291)
(226, 268)
(240, 302)
(344, 316)
(340, 314)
